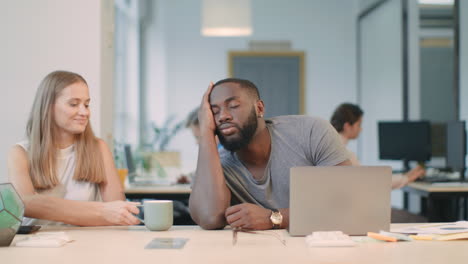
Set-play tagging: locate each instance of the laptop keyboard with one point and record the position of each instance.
(438, 178)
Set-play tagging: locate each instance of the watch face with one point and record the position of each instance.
(276, 218)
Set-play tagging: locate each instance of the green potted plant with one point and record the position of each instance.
(159, 156)
(11, 213)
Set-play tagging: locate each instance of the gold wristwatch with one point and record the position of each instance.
(276, 218)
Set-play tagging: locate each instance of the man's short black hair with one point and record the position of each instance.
(345, 113)
(250, 86)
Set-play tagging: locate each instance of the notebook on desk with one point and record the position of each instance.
(354, 200)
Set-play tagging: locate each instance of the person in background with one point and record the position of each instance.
(347, 120)
(63, 173)
(193, 124)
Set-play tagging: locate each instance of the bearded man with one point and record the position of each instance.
(246, 184)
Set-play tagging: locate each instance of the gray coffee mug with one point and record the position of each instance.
(158, 214)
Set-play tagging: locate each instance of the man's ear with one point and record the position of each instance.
(346, 126)
(260, 106)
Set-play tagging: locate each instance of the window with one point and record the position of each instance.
(126, 78)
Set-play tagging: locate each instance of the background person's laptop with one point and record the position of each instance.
(354, 200)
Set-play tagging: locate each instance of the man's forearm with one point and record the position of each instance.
(285, 214)
(210, 196)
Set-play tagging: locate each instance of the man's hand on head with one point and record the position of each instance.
(248, 216)
(205, 115)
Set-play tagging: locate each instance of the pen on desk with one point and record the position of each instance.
(236, 230)
(381, 237)
(398, 236)
(234, 235)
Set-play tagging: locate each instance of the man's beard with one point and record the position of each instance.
(245, 134)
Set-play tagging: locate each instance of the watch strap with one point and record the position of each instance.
(275, 211)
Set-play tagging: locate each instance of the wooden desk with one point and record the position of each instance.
(433, 193)
(126, 245)
(163, 192)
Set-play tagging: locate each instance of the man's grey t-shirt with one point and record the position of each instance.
(295, 141)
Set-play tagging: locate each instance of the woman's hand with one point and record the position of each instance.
(120, 213)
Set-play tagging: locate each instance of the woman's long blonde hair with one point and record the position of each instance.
(40, 131)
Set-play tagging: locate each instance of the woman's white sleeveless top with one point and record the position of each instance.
(68, 188)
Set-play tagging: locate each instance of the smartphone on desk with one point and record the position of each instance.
(24, 230)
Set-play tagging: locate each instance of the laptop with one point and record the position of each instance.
(351, 199)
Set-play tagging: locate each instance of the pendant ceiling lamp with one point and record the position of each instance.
(436, 2)
(226, 18)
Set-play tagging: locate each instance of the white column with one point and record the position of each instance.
(39, 37)
(463, 61)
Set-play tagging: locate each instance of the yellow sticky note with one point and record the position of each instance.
(421, 237)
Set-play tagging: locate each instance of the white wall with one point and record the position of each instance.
(42, 36)
(380, 75)
(414, 89)
(325, 30)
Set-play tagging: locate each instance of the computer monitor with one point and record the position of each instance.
(407, 141)
(129, 159)
(456, 146)
(439, 139)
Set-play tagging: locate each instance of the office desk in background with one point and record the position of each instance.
(179, 193)
(436, 196)
(126, 245)
(160, 192)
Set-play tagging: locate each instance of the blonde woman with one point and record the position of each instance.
(62, 171)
